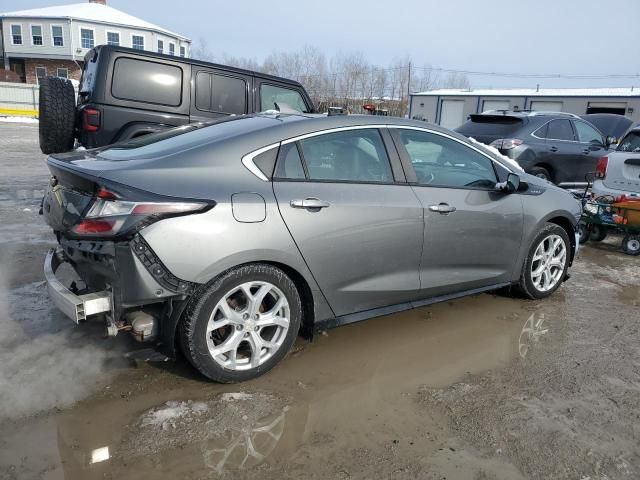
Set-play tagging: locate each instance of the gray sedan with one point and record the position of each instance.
(227, 240)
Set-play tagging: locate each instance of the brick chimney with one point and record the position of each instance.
(101, 2)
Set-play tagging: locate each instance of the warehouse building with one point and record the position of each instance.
(451, 107)
(53, 41)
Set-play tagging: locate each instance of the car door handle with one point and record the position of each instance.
(554, 149)
(442, 208)
(586, 151)
(310, 203)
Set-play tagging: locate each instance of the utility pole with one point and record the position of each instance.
(409, 92)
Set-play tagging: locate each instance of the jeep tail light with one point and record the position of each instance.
(601, 167)
(110, 216)
(91, 119)
(506, 143)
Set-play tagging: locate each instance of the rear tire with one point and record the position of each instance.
(57, 115)
(545, 267)
(541, 172)
(242, 324)
(631, 244)
(598, 233)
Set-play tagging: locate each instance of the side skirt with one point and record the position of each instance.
(400, 307)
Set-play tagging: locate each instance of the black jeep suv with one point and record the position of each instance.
(125, 93)
(560, 147)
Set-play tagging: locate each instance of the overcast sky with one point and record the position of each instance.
(522, 36)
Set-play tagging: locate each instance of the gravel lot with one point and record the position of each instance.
(487, 387)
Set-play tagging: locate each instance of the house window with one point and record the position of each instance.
(137, 42)
(86, 38)
(41, 72)
(63, 73)
(160, 46)
(183, 51)
(172, 49)
(36, 34)
(113, 38)
(56, 34)
(16, 34)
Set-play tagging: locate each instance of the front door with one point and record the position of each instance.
(592, 147)
(472, 233)
(358, 229)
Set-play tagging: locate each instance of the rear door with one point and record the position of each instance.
(217, 93)
(472, 233)
(355, 221)
(451, 113)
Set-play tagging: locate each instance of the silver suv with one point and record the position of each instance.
(228, 239)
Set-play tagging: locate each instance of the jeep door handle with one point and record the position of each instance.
(442, 208)
(310, 203)
(554, 149)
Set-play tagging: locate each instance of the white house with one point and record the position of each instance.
(53, 40)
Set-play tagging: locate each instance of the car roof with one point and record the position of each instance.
(528, 113)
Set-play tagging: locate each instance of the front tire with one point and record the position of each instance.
(242, 324)
(547, 262)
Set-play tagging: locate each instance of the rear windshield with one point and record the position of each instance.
(630, 143)
(490, 125)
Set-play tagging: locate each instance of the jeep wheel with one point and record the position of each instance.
(243, 324)
(57, 115)
(547, 262)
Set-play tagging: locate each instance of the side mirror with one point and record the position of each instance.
(510, 185)
(610, 140)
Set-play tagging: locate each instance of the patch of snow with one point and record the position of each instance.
(230, 397)
(172, 411)
(509, 161)
(19, 120)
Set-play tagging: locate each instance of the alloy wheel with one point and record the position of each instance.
(547, 265)
(248, 325)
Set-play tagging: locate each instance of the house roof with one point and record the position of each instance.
(534, 92)
(92, 12)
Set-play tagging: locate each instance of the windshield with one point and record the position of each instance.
(630, 143)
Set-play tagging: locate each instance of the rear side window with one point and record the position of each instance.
(289, 163)
(354, 155)
(220, 93)
(270, 95)
(587, 134)
(148, 82)
(560, 130)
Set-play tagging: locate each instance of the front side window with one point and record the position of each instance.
(36, 34)
(219, 93)
(442, 162)
(183, 51)
(560, 130)
(41, 72)
(57, 36)
(587, 134)
(16, 34)
(137, 42)
(63, 73)
(172, 49)
(270, 95)
(113, 38)
(353, 155)
(160, 46)
(86, 38)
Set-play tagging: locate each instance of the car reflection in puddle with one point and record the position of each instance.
(534, 328)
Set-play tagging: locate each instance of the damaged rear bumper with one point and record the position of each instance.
(76, 307)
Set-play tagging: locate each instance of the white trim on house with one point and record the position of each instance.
(31, 25)
(53, 41)
(11, 25)
(106, 37)
(144, 40)
(93, 36)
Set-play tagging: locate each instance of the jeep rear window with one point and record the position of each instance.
(479, 125)
(148, 82)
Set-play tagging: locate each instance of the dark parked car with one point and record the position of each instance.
(125, 93)
(226, 239)
(609, 124)
(559, 147)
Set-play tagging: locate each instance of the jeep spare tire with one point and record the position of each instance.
(57, 115)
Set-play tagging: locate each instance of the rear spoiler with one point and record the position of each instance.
(484, 118)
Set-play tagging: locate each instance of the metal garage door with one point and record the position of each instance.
(452, 113)
(545, 106)
(496, 105)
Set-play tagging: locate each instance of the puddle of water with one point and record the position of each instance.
(331, 395)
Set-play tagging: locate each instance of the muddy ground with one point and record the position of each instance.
(487, 387)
